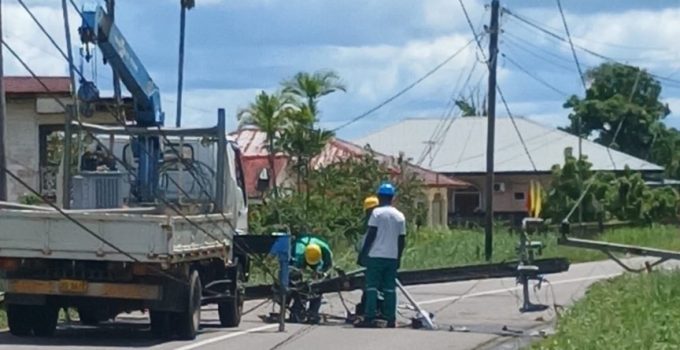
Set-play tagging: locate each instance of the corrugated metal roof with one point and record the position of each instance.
(463, 149)
(338, 150)
(30, 85)
(252, 144)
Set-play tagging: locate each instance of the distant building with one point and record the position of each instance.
(461, 153)
(257, 178)
(33, 115)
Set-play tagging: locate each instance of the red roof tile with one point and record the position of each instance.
(30, 85)
(253, 166)
(252, 143)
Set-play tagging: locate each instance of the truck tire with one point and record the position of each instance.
(230, 312)
(19, 319)
(45, 320)
(88, 317)
(188, 321)
(160, 324)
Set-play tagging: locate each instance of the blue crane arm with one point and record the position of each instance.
(98, 28)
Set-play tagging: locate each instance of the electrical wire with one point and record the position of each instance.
(404, 90)
(534, 76)
(498, 88)
(571, 45)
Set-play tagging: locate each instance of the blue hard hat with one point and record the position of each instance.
(386, 189)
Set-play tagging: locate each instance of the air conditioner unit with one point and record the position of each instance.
(97, 190)
(499, 187)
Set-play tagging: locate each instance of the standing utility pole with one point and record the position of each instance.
(491, 130)
(185, 4)
(3, 109)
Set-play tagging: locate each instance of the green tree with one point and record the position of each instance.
(568, 182)
(267, 113)
(301, 138)
(311, 87)
(621, 104)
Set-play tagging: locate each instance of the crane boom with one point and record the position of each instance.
(98, 28)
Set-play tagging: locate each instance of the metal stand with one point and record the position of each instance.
(424, 315)
(281, 249)
(526, 270)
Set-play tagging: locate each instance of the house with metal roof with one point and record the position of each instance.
(524, 150)
(255, 162)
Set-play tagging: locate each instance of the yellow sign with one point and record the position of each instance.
(72, 286)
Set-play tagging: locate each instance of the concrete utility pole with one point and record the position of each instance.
(186, 5)
(3, 109)
(491, 130)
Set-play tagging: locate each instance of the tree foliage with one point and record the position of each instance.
(335, 199)
(623, 196)
(326, 200)
(619, 95)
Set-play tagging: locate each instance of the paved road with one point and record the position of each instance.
(478, 311)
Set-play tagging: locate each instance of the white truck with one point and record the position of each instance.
(168, 257)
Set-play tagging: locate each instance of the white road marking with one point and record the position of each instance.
(505, 290)
(226, 336)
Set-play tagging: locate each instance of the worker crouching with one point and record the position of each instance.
(381, 255)
(310, 254)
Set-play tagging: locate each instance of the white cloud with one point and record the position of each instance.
(25, 38)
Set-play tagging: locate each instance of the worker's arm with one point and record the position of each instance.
(370, 238)
(402, 243)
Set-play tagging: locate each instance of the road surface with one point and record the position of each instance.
(470, 315)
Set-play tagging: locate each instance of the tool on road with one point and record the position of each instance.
(423, 318)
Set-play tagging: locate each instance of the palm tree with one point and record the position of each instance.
(268, 114)
(311, 87)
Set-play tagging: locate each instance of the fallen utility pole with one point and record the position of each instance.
(3, 110)
(491, 130)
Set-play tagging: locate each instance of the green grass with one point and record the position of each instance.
(628, 312)
(429, 249)
(446, 248)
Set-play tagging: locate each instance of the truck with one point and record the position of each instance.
(155, 230)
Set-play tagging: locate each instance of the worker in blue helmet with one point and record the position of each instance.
(381, 254)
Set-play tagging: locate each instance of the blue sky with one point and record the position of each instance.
(237, 48)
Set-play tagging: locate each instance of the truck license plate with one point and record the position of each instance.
(72, 286)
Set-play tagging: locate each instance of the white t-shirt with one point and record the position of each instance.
(391, 224)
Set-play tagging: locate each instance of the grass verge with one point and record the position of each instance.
(627, 312)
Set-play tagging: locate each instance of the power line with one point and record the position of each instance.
(498, 88)
(530, 48)
(404, 90)
(571, 44)
(534, 76)
(551, 34)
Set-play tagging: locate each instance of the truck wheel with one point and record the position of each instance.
(19, 319)
(45, 320)
(189, 320)
(88, 316)
(160, 324)
(230, 312)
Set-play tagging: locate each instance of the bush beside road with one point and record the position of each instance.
(627, 312)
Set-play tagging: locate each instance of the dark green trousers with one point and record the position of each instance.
(381, 274)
